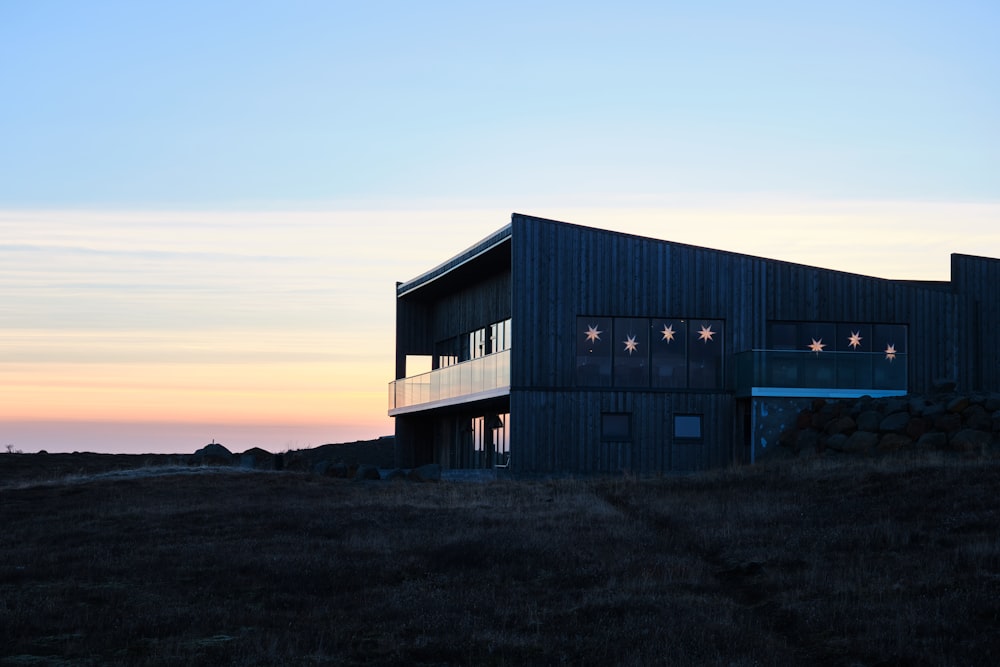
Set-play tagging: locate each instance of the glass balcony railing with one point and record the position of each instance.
(761, 372)
(486, 376)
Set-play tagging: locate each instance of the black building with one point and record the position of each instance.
(550, 347)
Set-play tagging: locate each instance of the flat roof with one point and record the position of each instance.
(491, 249)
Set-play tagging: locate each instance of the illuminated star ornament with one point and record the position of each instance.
(854, 340)
(668, 333)
(817, 345)
(592, 334)
(705, 334)
(631, 345)
(890, 352)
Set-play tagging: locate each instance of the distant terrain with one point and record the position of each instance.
(881, 561)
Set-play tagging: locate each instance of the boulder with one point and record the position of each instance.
(948, 422)
(968, 441)
(976, 418)
(896, 404)
(366, 472)
(869, 420)
(257, 459)
(212, 454)
(841, 425)
(835, 442)
(338, 470)
(861, 442)
(933, 440)
(916, 428)
(893, 442)
(895, 423)
(395, 475)
(932, 411)
(430, 472)
(958, 404)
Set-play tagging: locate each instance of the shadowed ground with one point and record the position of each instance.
(855, 563)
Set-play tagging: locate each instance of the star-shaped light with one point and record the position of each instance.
(631, 345)
(668, 333)
(854, 340)
(817, 345)
(890, 352)
(592, 334)
(705, 334)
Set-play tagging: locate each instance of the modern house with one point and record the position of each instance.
(553, 348)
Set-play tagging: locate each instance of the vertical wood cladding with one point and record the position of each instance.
(562, 271)
(978, 280)
(556, 272)
(472, 307)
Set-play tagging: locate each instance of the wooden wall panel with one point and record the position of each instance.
(977, 279)
(473, 307)
(562, 271)
(559, 272)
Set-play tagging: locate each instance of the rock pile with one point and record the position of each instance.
(967, 424)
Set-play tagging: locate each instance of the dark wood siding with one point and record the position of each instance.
(977, 282)
(545, 274)
(473, 307)
(562, 271)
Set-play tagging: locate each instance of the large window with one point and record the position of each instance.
(631, 352)
(483, 442)
(473, 344)
(688, 427)
(634, 352)
(593, 351)
(864, 354)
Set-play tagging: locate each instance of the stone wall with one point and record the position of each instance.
(967, 424)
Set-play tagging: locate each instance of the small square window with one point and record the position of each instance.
(687, 427)
(616, 426)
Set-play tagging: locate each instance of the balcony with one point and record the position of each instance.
(473, 380)
(824, 374)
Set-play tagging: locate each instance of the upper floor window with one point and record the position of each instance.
(643, 352)
(865, 354)
(473, 344)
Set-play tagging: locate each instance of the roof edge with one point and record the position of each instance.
(495, 239)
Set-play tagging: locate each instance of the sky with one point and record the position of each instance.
(204, 207)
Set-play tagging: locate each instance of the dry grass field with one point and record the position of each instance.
(871, 563)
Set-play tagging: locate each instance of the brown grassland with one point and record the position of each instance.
(881, 562)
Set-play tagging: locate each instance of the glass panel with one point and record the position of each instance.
(687, 427)
(593, 351)
(782, 336)
(705, 348)
(854, 337)
(668, 352)
(631, 352)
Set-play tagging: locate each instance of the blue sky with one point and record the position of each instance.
(318, 103)
(204, 206)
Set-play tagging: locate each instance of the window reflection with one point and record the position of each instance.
(482, 441)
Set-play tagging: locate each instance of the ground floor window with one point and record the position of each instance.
(688, 428)
(482, 441)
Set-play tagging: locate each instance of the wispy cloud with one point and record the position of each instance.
(285, 319)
